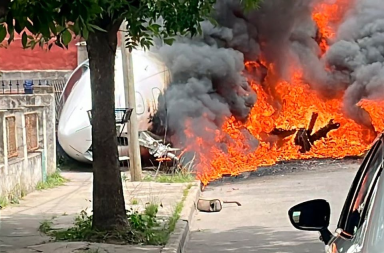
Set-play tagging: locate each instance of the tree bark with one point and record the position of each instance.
(108, 198)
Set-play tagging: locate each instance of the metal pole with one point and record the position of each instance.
(130, 101)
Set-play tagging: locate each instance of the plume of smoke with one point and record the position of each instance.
(359, 53)
(209, 82)
(208, 85)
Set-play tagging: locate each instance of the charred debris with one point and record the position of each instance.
(305, 137)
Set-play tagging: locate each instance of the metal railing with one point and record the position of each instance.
(8, 87)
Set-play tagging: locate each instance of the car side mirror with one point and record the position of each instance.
(312, 215)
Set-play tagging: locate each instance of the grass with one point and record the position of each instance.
(179, 207)
(134, 202)
(3, 202)
(18, 193)
(172, 178)
(46, 226)
(52, 181)
(13, 197)
(143, 228)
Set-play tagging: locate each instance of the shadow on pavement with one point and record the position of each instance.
(253, 239)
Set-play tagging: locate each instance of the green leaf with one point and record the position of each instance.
(30, 27)
(44, 28)
(3, 33)
(24, 39)
(11, 35)
(169, 41)
(67, 37)
(52, 26)
(18, 27)
(154, 28)
(97, 28)
(85, 33)
(75, 28)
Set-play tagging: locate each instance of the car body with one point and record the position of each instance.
(361, 224)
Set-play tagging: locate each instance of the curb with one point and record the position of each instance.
(180, 236)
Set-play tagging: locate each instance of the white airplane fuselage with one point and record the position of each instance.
(74, 130)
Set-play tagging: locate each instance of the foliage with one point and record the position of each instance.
(52, 22)
(177, 177)
(52, 181)
(145, 227)
(134, 202)
(13, 197)
(3, 202)
(45, 226)
(179, 207)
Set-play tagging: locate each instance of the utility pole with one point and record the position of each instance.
(130, 102)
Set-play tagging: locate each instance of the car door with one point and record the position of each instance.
(374, 236)
(352, 223)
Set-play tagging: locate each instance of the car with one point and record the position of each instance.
(361, 223)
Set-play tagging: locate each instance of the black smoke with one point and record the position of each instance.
(208, 75)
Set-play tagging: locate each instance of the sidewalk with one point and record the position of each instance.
(19, 224)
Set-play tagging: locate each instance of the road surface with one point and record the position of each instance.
(261, 224)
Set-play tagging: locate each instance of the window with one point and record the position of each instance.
(363, 191)
(31, 130)
(75, 77)
(374, 240)
(11, 136)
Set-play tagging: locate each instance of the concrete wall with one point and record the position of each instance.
(21, 174)
(19, 178)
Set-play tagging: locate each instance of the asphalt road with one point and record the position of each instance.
(261, 224)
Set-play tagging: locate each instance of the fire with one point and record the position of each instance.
(375, 109)
(288, 107)
(350, 139)
(327, 17)
(298, 103)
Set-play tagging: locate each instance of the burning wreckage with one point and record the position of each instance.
(305, 138)
(295, 79)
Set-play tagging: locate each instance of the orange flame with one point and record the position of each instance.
(289, 105)
(327, 18)
(299, 102)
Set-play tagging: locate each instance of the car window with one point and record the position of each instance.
(364, 190)
(374, 240)
(355, 184)
(73, 80)
(360, 235)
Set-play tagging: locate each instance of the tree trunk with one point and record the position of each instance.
(108, 199)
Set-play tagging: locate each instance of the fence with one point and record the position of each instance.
(8, 87)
